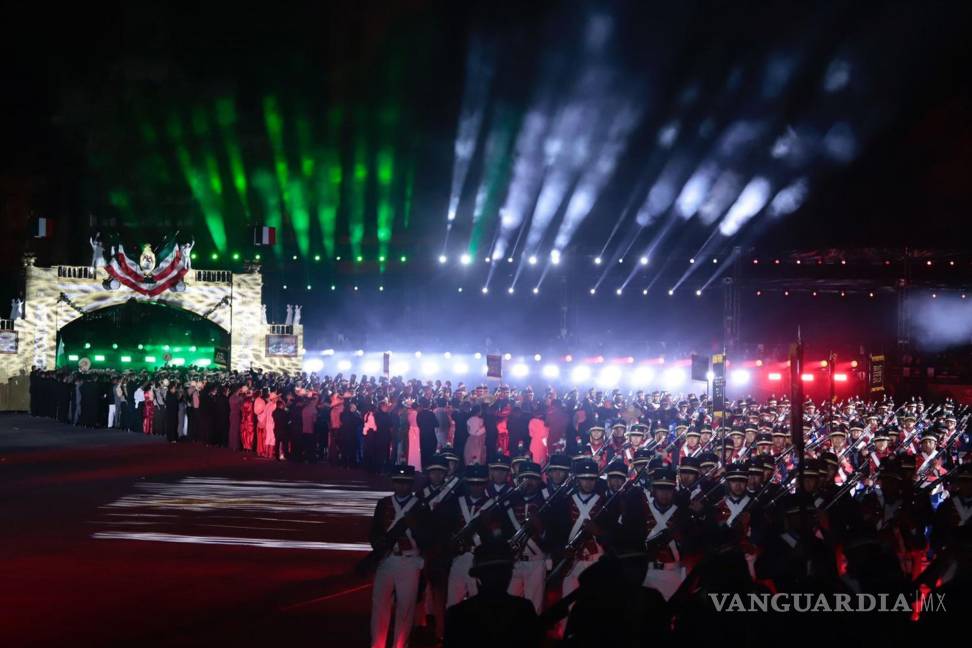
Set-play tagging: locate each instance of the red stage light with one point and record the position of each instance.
(823, 363)
(807, 377)
(759, 363)
(775, 376)
(854, 364)
(841, 377)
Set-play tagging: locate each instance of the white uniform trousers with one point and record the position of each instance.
(665, 577)
(395, 588)
(571, 583)
(461, 584)
(528, 581)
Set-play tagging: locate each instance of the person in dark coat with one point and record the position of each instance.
(427, 422)
(235, 414)
(352, 425)
(221, 414)
(171, 414)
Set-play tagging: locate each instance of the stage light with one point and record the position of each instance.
(537, 357)
(149, 359)
(580, 373)
(644, 292)
(928, 263)
(381, 259)
(520, 370)
(843, 294)
(840, 377)
(963, 295)
(739, 377)
(532, 260)
(178, 362)
(642, 376)
(698, 293)
(371, 367)
(400, 368)
(509, 260)
(507, 356)
(193, 349)
(73, 358)
(430, 368)
(691, 260)
(673, 378)
(536, 291)
(327, 352)
(776, 261)
(317, 257)
(715, 260)
(643, 261)
(447, 354)
(442, 259)
(344, 365)
(807, 377)
(460, 368)
(403, 258)
(755, 261)
(465, 259)
(236, 256)
(359, 352)
(381, 289)
(478, 355)
(843, 262)
(418, 354)
(337, 258)
(813, 294)
(710, 375)
(313, 365)
(551, 371)
(934, 296)
(786, 293)
(510, 290)
(568, 358)
(671, 292)
(285, 286)
(333, 287)
(618, 291)
(114, 345)
(593, 291)
(555, 257)
(485, 290)
(799, 262)
(126, 358)
(359, 258)
(356, 288)
(775, 376)
(308, 286)
(823, 364)
(597, 260)
(854, 364)
(621, 260)
(165, 347)
(609, 377)
(295, 257)
(214, 256)
(870, 294)
(257, 257)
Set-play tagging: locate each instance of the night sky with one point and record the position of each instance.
(339, 126)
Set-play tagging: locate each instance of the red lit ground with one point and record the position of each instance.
(113, 538)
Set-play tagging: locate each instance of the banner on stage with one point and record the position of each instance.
(718, 387)
(494, 366)
(875, 374)
(700, 367)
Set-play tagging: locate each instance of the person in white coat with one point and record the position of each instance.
(475, 450)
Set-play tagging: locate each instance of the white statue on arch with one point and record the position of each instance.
(296, 315)
(263, 314)
(97, 251)
(14, 309)
(290, 315)
(187, 254)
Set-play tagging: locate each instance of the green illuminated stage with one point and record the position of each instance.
(143, 335)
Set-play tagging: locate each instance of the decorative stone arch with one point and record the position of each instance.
(58, 295)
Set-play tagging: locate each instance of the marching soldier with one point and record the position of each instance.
(499, 476)
(471, 514)
(636, 438)
(521, 517)
(584, 504)
(691, 447)
(397, 578)
(664, 523)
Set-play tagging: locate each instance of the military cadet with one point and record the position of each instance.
(453, 458)
(764, 444)
(521, 519)
(618, 443)
(583, 504)
(435, 525)
(397, 577)
(470, 514)
(499, 476)
(636, 438)
(930, 461)
(691, 447)
(664, 524)
(689, 473)
(557, 471)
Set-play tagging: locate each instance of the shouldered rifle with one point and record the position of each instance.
(578, 539)
(462, 535)
(392, 535)
(522, 536)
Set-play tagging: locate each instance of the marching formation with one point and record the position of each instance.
(881, 500)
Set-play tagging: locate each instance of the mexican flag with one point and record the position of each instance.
(170, 268)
